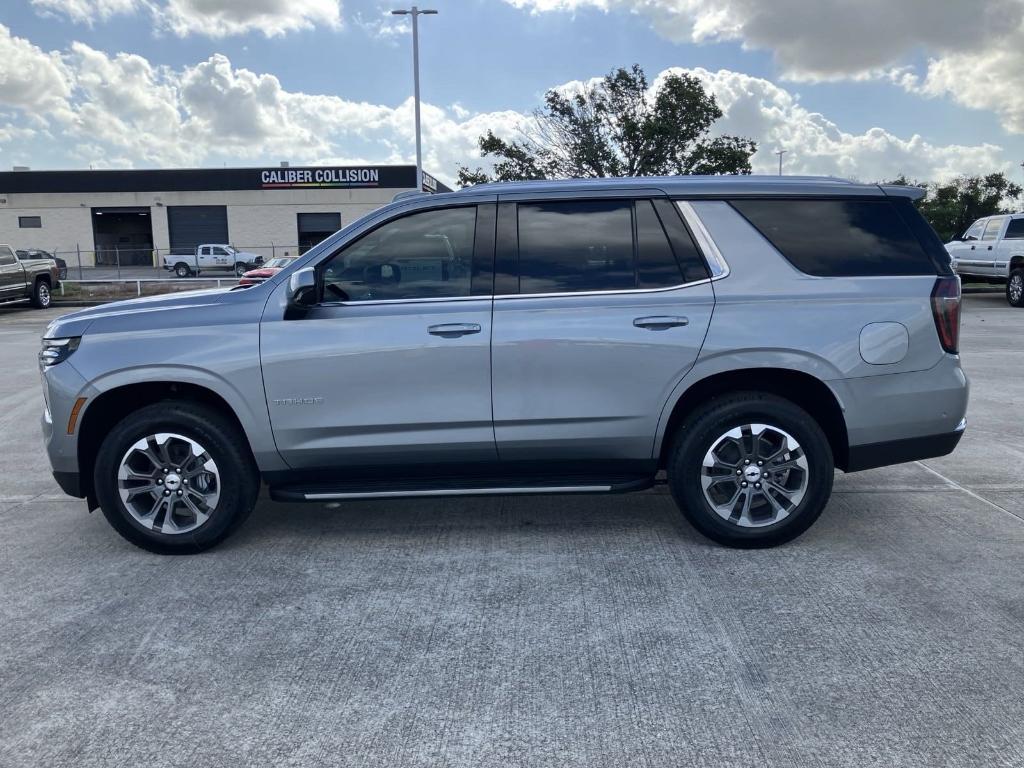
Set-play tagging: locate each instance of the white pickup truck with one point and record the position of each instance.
(992, 249)
(211, 256)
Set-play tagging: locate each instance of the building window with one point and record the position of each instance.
(30, 222)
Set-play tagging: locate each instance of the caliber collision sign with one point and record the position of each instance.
(291, 178)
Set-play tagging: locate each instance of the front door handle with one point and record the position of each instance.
(453, 330)
(972, 247)
(989, 248)
(660, 322)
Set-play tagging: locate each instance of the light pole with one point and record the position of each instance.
(416, 13)
(780, 153)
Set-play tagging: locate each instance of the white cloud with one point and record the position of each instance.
(983, 79)
(219, 18)
(974, 47)
(121, 111)
(31, 79)
(814, 144)
(825, 38)
(88, 11)
(212, 18)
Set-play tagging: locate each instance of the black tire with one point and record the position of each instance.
(181, 269)
(225, 444)
(41, 296)
(702, 430)
(1015, 288)
(241, 269)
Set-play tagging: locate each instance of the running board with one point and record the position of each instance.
(405, 489)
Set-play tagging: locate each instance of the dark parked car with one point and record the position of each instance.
(31, 254)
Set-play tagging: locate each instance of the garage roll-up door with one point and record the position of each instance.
(319, 222)
(314, 227)
(192, 225)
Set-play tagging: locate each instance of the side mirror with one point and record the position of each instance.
(302, 288)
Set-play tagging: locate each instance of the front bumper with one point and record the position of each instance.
(70, 483)
(62, 386)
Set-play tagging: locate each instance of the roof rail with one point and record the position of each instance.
(407, 194)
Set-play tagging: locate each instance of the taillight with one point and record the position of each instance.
(946, 311)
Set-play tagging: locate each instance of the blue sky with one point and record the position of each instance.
(146, 83)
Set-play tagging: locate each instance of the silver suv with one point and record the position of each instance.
(744, 335)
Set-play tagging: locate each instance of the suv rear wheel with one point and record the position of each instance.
(751, 470)
(1015, 288)
(175, 478)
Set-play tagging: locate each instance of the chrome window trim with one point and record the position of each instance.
(621, 292)
(705, 244)
(423, 300)
(716, 262)
(434, 300)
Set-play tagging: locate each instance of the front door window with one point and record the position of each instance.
(421, 256)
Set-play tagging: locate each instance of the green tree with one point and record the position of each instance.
(951, 208)
(616, 126)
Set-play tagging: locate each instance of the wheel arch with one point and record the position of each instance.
(112, 405)
(1016, 262)
(803, 389)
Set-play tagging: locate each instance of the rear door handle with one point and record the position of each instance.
(989, 248)
(660, 322)
(453, 330)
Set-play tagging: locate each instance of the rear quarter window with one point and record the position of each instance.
(840, 238)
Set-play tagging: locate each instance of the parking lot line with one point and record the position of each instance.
(956, 486)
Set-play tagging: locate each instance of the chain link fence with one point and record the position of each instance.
(148, 263)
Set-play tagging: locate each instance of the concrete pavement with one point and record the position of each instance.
(561, 631)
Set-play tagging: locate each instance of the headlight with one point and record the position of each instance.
(57, 350)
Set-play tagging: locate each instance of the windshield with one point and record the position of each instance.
(279, 263)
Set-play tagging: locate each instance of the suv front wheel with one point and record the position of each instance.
(751, 470)
(175, 478)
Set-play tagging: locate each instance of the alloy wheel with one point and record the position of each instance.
(754, 475)
(1016, 289)
(169, 483)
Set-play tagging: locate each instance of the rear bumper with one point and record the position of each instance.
(899, 451)
(899, 417)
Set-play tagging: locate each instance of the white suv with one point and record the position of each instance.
(993, 249)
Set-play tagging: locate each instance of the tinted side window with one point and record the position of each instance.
(6, 255)
(839, 238)
(423, 255)
(656, 263)
(992, 229)
(925, 235)
(576, 246)
(1015, 231)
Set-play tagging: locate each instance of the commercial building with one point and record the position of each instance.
(132, 217)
